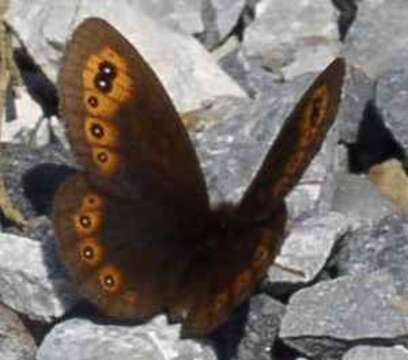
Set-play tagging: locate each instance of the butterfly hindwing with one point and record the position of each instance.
(123, 264)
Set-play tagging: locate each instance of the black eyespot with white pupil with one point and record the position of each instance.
(102, 157)
(88, 252)
(103, 83)
(85, 221)
(104, 78)
(97, 131)
(107, 69)
(109, 281)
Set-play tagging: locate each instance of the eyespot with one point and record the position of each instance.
(91, 251)
(91, 202)
(102, 156)
(97, 130)
(100, 132)
(93, 101)
(87, 222)
(108, 69)
(99, 105)
(110, 278)
(103, 83)
(107, 161)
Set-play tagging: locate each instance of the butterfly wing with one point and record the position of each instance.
(129, 224)
(120, 121)
(120, 252)
(256, 233)
(297, 143)
(231, 273)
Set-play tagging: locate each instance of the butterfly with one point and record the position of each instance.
(134, 227)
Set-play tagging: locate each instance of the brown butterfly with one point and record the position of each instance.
(135, 228)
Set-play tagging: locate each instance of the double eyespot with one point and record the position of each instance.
(106, 83)
(103, 80)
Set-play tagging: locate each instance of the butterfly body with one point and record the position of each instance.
(135, 228)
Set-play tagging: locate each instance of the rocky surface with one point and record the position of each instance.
(257, 324)
(195, 80)
(376, 353)
(326, 319)
(358, 90)
(306, 249)
(227, 14)
(292, 39)
(16, 341)
(31, 283)
(374, 245)
(391, 96)
(339, 288)
(391, 178)
(184, 15)
(358, 199)
(371, 42)
(83, 339)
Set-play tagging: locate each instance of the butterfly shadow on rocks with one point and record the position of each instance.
(374, 142)
(228, 336)
(39, 184)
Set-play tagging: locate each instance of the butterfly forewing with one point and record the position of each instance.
(254, 241)
(120, 121)
(297, 143)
